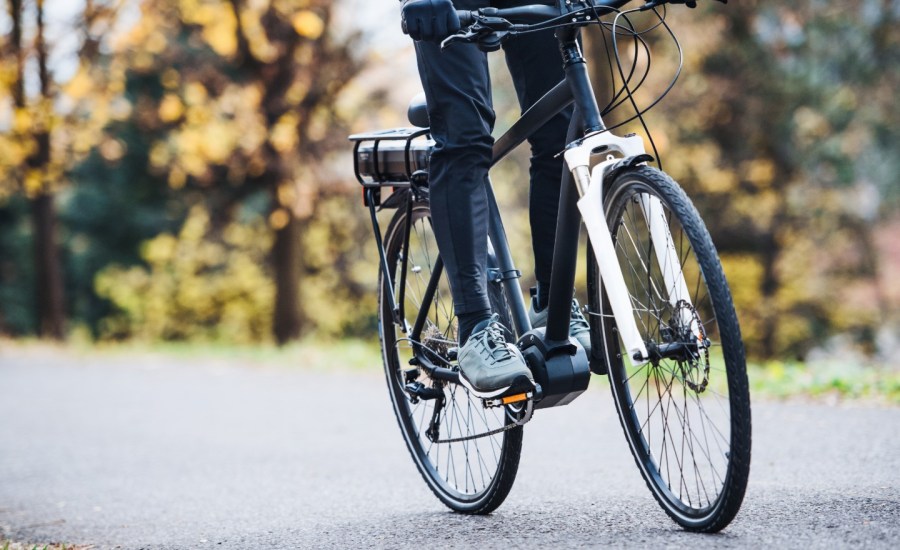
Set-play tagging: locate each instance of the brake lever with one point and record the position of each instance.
(490, 30)
(467, 36)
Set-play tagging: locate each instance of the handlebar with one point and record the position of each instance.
(535, 13)
(490, 26)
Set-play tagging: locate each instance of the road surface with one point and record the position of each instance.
(156, 452)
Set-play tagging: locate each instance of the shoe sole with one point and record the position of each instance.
(520, 384)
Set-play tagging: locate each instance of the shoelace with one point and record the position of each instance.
(495, 340)
(578, 323)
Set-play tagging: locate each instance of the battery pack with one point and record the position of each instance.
(391, 164)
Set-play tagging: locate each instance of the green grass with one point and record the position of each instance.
(308, 353)
(841, 380)
(770, 379)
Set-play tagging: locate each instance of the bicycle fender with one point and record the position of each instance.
(628, 162)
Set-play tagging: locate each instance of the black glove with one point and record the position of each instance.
(432, 20)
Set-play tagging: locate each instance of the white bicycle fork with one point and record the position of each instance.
(590, 188)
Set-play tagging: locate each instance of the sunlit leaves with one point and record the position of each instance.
(170, 108)
(283, 134)
(194, 286)
(80, 85)
(308, 24)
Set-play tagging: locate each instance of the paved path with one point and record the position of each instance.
(150, 452)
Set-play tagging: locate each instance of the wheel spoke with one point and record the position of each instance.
(461, 471)
(676, 410)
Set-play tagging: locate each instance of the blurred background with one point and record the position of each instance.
(178, 170)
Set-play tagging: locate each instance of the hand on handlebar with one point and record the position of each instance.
(430, 20)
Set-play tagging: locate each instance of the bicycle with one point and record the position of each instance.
(663, 326)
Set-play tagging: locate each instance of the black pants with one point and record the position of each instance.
(458, 90)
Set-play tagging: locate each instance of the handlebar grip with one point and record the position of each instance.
(466, 17)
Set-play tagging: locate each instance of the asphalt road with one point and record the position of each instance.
(151, 452)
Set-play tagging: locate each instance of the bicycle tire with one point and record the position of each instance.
(445, 467)
(659, 427)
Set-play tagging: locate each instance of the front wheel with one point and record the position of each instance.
(686, 411)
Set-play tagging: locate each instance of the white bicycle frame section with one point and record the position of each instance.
(590, 188)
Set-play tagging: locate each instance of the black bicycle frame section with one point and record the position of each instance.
(576, 88)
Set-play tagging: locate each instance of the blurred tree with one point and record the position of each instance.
(32, 169)
(194, 288)
(43, 125)
(244, 103)
(784, 126)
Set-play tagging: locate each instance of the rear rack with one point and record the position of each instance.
(380, 176)
(381, 170)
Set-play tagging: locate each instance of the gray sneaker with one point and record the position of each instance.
(579, 328)
(491, 366)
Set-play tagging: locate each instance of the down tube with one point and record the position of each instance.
(558, 98)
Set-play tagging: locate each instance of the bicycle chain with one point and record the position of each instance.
(529, 411)
(496, 431)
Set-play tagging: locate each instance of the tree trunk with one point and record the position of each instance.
(49, 281)
(49, 299)
(286, 266)
(48, 271)
(768, 288)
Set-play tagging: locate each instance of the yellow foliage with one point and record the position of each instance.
(284, 134)
(287, 194)
(195, 93)
(760, 172)
(159, 155)
(219, 141)
(744, 273)
(177, 178)
(170, 79)
(156, 43)
(221, 37)
(80, 85)
(308, 24)
(34, 182)
(259, 43)
(142, 61)
(112, 149)
(22, 121)
(297, 92)
(279, 219)
(170, 108)
(120, 108)
(194, 287)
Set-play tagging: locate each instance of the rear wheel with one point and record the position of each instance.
(468, 475)
(686, 411)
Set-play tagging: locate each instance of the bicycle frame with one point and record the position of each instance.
(589, 186)
(581, 196)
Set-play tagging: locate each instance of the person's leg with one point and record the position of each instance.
(536, 66)
(458, 92)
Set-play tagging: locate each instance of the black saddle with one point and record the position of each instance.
(418, 112)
